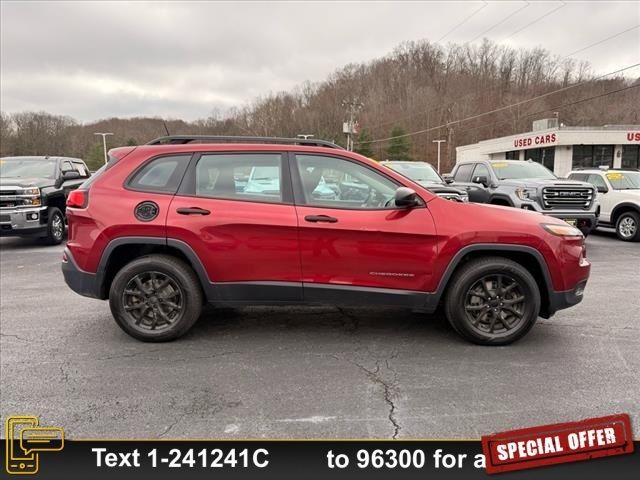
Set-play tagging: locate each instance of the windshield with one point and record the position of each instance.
(624, 180)
(27, 167)
(417, 171)
(521, 169)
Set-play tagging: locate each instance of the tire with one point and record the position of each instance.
(162, 313)
(471, 315)
(628, 227)
(55, 227)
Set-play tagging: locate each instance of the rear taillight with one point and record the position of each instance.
(78, 199)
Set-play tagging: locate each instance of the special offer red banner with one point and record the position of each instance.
(558, 443)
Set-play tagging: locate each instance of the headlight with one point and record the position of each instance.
(34, 193)
(525, 193)
(561, 230)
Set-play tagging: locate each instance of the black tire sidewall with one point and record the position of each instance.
(182, 274)
(51, 214)
(636, 218)
(471, 273)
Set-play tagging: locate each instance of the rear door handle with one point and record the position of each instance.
(320, 218)
(192, 211)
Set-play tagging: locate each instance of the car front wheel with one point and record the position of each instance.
(55, 227)
(628, 227)
(156, 298)
(492, 301)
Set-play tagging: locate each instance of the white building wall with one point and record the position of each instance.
(562, 160)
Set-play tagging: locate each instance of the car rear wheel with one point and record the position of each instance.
(156, 298)
(628, 227)
(492, 301)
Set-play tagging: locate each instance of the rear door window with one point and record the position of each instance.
(253, 177)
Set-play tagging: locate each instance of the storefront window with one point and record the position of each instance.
(512, 155)
(631, 156)
(545, 156)
(590, 156)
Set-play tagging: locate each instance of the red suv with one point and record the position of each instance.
(167, 226)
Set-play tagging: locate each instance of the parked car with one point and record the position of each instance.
(528, 185)
(424, 174)
(149, 234)
(619, 197)
(33, 191)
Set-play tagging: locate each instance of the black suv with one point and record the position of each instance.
(424, 174)
(531, 186)
(33, 192)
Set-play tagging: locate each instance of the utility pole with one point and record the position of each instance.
(349, 127)
(104, 144)
(438, 142)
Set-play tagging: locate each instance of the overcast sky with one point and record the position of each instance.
(93, 60)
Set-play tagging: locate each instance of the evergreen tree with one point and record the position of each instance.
(399, 148)
(95, 157)
(364, 148)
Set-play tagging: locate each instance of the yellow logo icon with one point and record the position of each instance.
(24, 442)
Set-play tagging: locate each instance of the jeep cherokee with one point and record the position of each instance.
(167, 226)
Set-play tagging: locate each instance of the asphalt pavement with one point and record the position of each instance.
(311, 372)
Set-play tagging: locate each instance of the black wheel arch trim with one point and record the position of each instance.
(500, 197)
(623, 206)
(496, 248)
(224, 291)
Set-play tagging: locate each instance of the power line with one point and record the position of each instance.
(534, 21)
(500, 22)
(462, 22)
(473, 117)
(601, 41)
(511, 105)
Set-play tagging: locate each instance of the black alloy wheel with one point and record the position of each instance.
(156, 298)
(495, 304)
(492, 301)
(153, 301)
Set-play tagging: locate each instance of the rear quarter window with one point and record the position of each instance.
(160, 175)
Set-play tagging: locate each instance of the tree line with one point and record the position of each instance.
(420, 86)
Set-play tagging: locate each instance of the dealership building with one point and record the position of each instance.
(561, 148)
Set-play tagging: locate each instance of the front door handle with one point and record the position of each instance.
(320, 218)
(192, 211)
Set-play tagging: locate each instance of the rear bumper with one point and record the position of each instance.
(81, 282)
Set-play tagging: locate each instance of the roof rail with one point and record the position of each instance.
(184, 139)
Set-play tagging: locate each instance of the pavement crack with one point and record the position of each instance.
(15, 336)
(170, 427)
(389, 389)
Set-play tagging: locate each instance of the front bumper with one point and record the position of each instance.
(585, 220)
(568, 298)
(23, 222)
(81, 282)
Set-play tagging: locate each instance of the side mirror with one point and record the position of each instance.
(481, 179)
(448, 178)
(68, 175)
(602, 189)
(405, 197)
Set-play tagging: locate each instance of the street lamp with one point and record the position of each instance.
(104, 144)
(438, 142)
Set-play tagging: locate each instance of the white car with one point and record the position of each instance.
(619, 196)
